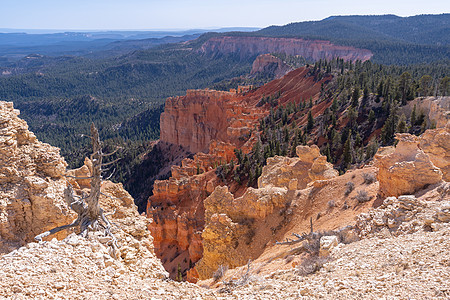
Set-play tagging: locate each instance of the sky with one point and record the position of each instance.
(190, 14)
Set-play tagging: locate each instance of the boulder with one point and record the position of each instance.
(436, 144)
(405, 169)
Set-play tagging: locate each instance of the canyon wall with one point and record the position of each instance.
(194, 120)
(247, 47)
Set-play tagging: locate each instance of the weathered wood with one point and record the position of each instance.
(90, 215)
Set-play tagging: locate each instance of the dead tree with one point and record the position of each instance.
(90, 215)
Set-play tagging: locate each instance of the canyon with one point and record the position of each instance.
(246, 47)
(326, 181)
(212, 123)
(407, 234)
(194, 208)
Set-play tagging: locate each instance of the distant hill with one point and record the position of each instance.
(18, 43)
(392, 39)
(421, 29)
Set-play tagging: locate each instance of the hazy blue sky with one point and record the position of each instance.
(179, 14)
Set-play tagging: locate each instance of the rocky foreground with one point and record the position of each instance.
(412, 266)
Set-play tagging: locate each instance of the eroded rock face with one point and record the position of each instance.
(405, 169)
(31, 183)
(295, 173)
(435, 109)
(436, 144)
(195, 120)
(230, 222)
(310, 49)
(269, 65)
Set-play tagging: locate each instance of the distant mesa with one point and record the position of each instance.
(247, 47)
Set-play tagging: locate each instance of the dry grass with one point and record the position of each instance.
(362, 196)
(350, 187)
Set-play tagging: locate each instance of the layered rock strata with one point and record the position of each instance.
(247, 47)
(195, 120)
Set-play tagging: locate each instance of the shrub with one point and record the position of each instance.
(369, 178)
(350, 187)
(221, 270)
(362, 196)
(313, 246)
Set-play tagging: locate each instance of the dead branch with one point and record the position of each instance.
(111, 162)
(110, 175)
(56, 230)
(76, 177)
(112, 153)
(90, 215)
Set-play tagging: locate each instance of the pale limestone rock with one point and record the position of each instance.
(405, 169)
(296, 173)
(443, 214)
(228, 221)
(405, 214)
(31, 183)
(436, 143)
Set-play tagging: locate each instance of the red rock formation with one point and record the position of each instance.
(268, 64)
(310, 49)
(213, 124)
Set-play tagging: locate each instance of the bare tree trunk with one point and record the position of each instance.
(89, 212)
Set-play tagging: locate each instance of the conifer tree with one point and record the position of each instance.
(347, 152)
(310, 124)
(355, 97)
